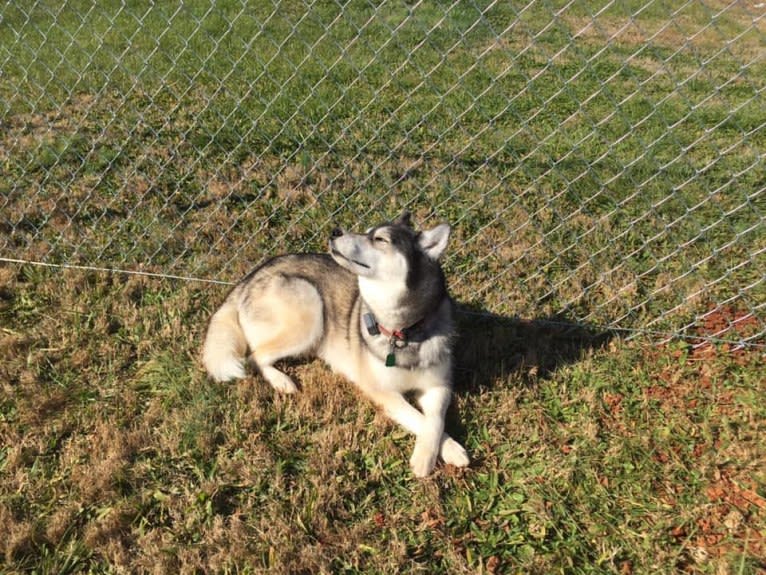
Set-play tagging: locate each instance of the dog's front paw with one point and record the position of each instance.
(423, 459)
(453, 453)
(279, 381)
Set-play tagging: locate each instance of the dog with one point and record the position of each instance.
(375, 308)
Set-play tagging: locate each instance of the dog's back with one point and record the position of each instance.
(289, 306)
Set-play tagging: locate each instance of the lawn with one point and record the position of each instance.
(602, 168)
(591, 455)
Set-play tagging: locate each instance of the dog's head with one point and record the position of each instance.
(390, 252)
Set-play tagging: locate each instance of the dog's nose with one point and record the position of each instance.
(336, 233)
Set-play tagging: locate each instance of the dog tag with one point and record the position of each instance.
(370, 324)
(391, 358)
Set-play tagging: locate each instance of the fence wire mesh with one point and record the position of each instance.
(601, 162)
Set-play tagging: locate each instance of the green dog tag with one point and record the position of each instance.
(390, 360)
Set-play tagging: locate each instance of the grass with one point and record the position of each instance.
(601, 166)
(607, 165)
(590, 455)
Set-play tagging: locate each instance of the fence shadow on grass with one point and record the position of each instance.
(491, 348)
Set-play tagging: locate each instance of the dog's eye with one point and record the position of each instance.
(380, 239)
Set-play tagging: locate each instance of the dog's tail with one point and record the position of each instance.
(223, 353)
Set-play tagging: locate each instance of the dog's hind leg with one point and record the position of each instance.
(288, 322)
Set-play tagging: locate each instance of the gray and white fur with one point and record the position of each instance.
(375, 309)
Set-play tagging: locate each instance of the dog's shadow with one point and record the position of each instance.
(494, 350)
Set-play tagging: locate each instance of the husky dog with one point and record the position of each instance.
(375, 309)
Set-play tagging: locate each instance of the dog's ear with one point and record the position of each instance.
(434, 241)
(405, 219)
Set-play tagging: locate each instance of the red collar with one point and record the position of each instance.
(403, 335)
(399, 334)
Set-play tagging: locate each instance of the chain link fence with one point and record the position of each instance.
(601, 162)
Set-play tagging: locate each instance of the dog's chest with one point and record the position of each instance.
(402, 379)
